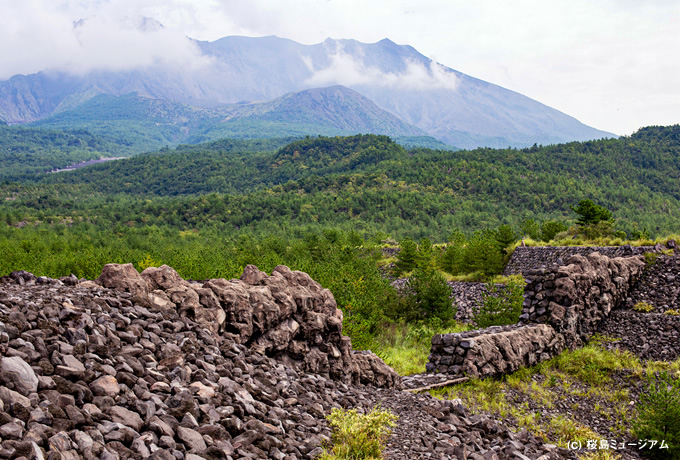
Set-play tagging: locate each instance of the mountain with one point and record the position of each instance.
(134, 122)
(451, 106)
(335, 110)
(138, 123)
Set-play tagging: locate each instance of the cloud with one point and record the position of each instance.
(347, 70)
(49, 37)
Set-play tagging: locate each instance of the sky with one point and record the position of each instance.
(612, 64)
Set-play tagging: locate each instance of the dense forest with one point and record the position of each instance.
(363, 183)
(25, 153)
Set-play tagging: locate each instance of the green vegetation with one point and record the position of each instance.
(406, 346)
(371, 184)
(358, 436)
(643, 307)
(659, 415)
(501, 304)
(590, 213)
(428, 296)
(28, 152)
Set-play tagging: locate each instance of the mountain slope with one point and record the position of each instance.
(370, 182)
(336, 108)
(139, 123)
(455, 108)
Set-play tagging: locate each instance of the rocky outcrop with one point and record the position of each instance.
(563, 306)
(117, 378)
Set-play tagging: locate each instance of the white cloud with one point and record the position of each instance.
(53, 38)
(348, 70)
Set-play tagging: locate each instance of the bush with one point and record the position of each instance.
(551, 228)
(358, 436)
(428, 296)
(501, 304)
(659, 415)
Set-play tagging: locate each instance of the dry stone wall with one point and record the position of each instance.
(494, 350)
(563, 306)
(575, 298)
(287, 316)
(529, 258)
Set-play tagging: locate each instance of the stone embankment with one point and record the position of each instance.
(152, 366)
(655, 334)
(529, 258)
(563, 306)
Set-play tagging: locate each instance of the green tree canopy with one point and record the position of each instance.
(591, 213)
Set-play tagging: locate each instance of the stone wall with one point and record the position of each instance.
(286, 316)
(563, 306)
(575, 298)
(494, 350)
(526, 259)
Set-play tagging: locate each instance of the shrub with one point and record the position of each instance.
(645, 307)
(672, 312)
(550, 228)
(407, 257)
(650, 258)
(659, 415)
(429, 296)
(501, 304)
(358, 436)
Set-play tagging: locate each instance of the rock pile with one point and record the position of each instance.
(166, 371)
(286, 316)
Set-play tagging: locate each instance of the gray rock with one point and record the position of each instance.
(192, 439)
(17, 372)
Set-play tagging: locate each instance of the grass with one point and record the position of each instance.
(602, 241)
(643, 307)
(584, 375)
(406, 347)
(358, 436)
(593, 364)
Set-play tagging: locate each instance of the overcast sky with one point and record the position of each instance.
(612, 64)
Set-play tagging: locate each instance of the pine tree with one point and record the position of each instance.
(407, 257)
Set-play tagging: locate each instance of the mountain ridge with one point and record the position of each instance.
(449, 105)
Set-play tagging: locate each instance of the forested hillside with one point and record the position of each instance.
(369, 183)
(28, 152)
